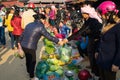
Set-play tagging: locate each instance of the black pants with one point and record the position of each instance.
(30, 55)
(91, 54)
(106, 75)
(16, 38)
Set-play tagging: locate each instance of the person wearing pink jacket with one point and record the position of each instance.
(52, 16)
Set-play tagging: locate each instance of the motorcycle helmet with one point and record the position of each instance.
(107, 6)
(84, 74)
(31, 5)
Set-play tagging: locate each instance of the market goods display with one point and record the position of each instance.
(63, 63)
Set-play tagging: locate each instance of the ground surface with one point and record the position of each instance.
(13, 68)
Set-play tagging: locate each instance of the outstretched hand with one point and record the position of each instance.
(65, 41)
(62, 42)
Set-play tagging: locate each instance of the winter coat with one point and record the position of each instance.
(8, 22)
(64, 30)
(33, 33)
(91, 28)
(52, 14)
(16, 23)
(109, 48)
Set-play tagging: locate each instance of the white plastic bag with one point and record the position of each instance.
(20, 51)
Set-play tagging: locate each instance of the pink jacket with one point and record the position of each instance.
(52, 14)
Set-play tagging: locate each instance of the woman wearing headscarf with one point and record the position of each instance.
(91, 28)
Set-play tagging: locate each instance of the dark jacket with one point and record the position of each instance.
(33, 33)
(91, 28)
(109, 49)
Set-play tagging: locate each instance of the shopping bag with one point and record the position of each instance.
(41, 69)
(20, 51)
(65, 53)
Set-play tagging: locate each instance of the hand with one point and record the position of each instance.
(115, 68)
(96, 55)
(19, 45)
(61, 42)
(65, 41)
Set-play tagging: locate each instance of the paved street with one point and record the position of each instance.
(13, 68)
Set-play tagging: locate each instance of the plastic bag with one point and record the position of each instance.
(84, 42)
(41, 69)
(20, 51)
(65, 53)
(49, 46)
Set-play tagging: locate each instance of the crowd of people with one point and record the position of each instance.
(98, 33)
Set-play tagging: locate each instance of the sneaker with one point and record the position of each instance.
(13, 48)
(35, 78)
(32, 79)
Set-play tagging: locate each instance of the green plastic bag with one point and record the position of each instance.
(49, 45)
(60, 71)
(55, 67)
(65, 53)
(41, 68)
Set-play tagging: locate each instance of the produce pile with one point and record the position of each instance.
(56, 60)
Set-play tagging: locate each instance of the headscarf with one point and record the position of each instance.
(91, 11)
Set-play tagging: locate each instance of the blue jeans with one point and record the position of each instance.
(12, 39)
(2, 36)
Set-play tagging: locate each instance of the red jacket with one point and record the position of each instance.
(16, 23)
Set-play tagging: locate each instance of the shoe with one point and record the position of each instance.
(35, 78)
(13, 48)
(2, 46)
(32, 79)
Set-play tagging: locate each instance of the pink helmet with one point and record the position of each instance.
(107, 6)
(31, 5)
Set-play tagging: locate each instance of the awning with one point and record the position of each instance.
(49, 1)
(78, 1)
(11, 3)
